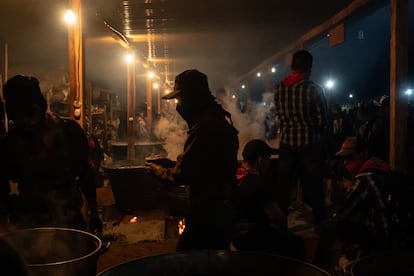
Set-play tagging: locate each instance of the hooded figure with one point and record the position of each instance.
(47, 157)
(25, 104)
(207, 165)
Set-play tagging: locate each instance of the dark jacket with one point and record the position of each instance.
(208, 167)
(208, 164)
(51, 168)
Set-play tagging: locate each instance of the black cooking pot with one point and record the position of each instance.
(56, 251)
(133, 187)
(214, 262)
(391, 262)
(143, 149)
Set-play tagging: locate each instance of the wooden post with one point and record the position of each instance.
(159, 100)
(88, 100)
(131, 107)
(6, 77)
(149, 103)
(76, 63)
(6, 62)
(398, 81)
(72, 69)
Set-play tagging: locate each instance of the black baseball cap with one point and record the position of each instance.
(189, 81)
(256, 148)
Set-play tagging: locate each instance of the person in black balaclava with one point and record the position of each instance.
(208, 164)
(47, 156)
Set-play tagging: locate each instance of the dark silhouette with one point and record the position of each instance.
(47, 156)
(362, 222)
(302, 111)
(339, 128)
(207, 165)
(260, 224)
(373, 123)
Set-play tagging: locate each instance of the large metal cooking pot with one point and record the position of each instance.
(133, 187)
(215, 262)
(143, 149)
(56, 251)
(390, 262)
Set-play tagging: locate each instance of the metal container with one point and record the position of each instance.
(142, 150)
(56, 251)
(215, 262)
(133, 187)
(391, 262)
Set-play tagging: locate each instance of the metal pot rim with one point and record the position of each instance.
(46, 229)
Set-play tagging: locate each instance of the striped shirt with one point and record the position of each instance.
(302, 112)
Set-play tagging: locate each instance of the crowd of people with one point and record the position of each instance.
(47, 176)
(367, 212)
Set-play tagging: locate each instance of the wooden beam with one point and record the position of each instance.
(149, 102)
(313, 33)
(398, 82)
(131, 109)
(76, 63)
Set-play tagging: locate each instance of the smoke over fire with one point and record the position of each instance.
(251, 123)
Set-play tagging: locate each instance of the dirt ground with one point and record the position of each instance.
(119, 251)
(122, 253)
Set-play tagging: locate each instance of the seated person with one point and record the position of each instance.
(361, 221)
(260, 223)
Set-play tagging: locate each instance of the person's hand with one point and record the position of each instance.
(347, 184)
(158, 170)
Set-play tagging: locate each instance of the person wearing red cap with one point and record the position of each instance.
(363, 220)
(47, 156)
(207, 165)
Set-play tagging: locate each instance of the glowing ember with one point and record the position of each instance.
(181, 226)
(133, 220)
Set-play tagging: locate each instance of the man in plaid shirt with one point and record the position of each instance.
(302, 110)
(365, 218)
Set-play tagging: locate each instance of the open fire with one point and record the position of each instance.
(174, 227)
(133, 220)
(181, 226)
